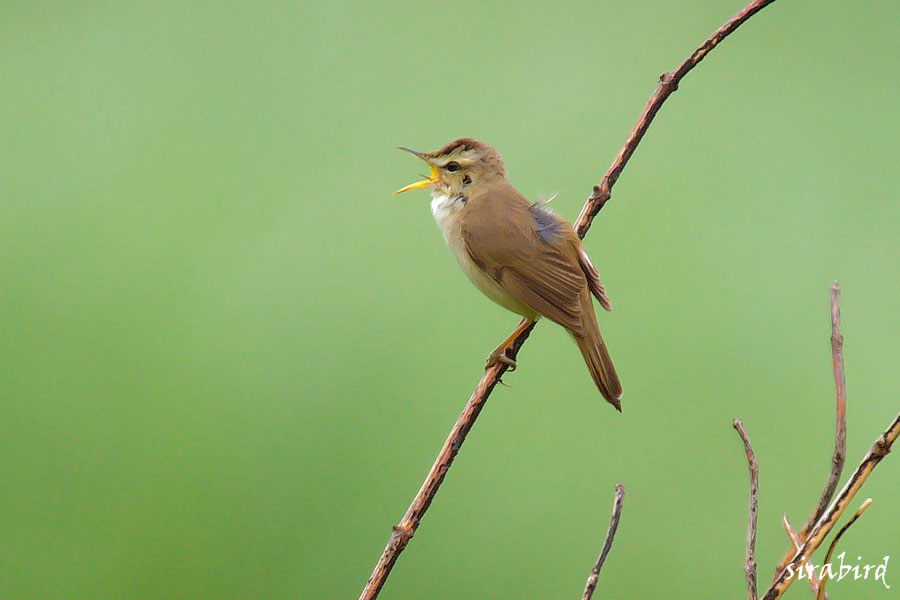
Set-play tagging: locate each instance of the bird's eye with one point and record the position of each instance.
(452, 166)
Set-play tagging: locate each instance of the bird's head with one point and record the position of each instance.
(457, 166)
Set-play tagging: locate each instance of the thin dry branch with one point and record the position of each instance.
(750, 562)
(591, 584)
(840, 426)
(828, 519)
(668, 83)
(834, 543)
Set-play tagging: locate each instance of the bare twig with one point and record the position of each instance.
(840, 426)
(828, 519)
(668, 83)
(750, 562)
(834, 543)
(795, 540)
(591, 584)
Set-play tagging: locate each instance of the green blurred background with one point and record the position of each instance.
(229, 355)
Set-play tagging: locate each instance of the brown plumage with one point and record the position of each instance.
(521, 256)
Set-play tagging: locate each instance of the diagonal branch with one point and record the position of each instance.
(750, 562)
(840, 427)
(591, 584)
(826, 522)
(668, 83)
(403, 531)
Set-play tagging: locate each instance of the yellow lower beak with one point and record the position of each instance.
(431, 180)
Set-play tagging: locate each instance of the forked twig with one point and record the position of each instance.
(668, 83)
(840, 427)
(795, 540)
(826, 522)
(750, 562)
(803, 547)
(591, 584)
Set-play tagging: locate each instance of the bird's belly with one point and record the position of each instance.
(453, 236)
(488, 286)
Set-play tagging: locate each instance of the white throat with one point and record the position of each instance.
(443, 207)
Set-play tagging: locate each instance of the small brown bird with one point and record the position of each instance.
(522, 257)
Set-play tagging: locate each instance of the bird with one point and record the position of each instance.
(523, 257)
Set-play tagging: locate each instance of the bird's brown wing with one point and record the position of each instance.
(530, 257)
(536, 258)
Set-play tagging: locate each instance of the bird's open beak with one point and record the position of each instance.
(430, 180)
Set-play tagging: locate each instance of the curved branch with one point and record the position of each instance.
(668, 83)
(868, 501)
(840, 426)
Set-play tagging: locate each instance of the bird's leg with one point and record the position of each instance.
(499, 353)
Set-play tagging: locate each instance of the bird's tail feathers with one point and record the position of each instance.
(600, 365)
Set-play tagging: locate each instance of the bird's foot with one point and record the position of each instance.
(499, 356)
